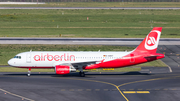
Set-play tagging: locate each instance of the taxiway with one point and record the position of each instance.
(97, 87)
(86, 41)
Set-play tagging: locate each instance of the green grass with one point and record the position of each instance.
(102, 23)
(13, 69)
(102, 4)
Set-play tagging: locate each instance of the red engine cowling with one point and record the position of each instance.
(63, 69)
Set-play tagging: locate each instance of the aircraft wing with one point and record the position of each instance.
(80, 64)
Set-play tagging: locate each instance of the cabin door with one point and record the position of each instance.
(28, 57)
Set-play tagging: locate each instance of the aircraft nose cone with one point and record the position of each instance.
(10, 62)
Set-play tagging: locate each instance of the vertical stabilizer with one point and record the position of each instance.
(150, 43)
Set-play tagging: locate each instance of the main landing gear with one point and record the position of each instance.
(29, 72)
(81, 74)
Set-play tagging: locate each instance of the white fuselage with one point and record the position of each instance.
(49, 59)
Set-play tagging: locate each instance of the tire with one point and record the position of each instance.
(28, 75)
(81, 74)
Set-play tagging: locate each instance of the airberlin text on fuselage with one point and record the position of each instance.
(49, 57)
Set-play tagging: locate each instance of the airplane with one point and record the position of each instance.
(65, 62)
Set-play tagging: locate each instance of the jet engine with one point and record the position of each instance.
(64, 69)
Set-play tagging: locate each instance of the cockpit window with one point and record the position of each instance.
(18, 57)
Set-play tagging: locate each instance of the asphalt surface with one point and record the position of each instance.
(172, 56)
(86, 41)
(94, 87)
(89, 7)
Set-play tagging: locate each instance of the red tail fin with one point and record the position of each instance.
(150, 43)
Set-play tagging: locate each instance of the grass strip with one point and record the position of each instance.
(101, 23)
(100, 4)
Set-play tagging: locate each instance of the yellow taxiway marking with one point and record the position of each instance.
(142, 92)
(6, 92)
(105, 89)
(132, 92)
(88, 89)
(62, 89)
(129, 92)
(80, 89)
(71, 89)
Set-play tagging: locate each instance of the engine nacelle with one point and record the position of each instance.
(63, 69)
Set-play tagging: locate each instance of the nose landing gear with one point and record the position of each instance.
(29, 72)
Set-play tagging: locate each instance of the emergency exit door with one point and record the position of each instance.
(132, 60)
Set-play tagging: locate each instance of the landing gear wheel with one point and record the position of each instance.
(81, 74)
(28, 75)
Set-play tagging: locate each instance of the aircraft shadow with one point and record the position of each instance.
(77, 74)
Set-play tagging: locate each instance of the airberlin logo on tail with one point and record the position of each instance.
(152, 40)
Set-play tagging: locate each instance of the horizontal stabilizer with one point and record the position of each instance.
(152, 56)
(158, 55)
